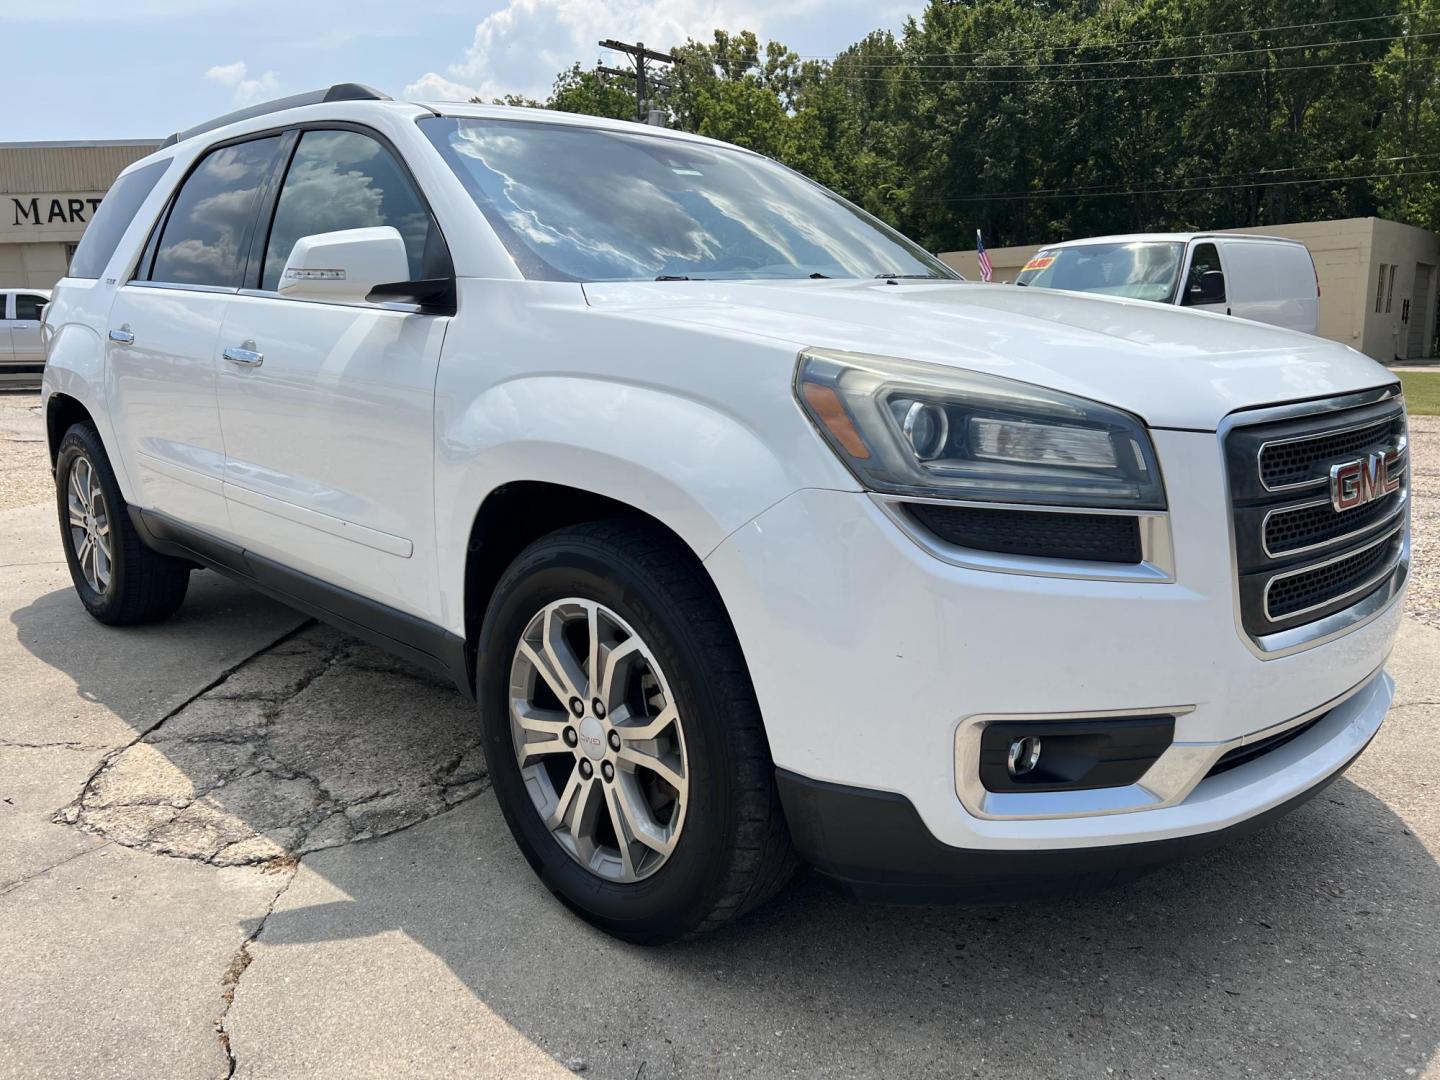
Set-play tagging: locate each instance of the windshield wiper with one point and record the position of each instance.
(895, 277)
(677, 277)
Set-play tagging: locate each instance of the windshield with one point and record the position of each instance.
(585, 204)
(1144, 270)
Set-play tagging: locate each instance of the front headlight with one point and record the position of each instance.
(907, 428)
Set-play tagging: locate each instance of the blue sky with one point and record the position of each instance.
(127, 69)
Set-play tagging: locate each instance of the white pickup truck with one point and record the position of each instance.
(752, 530)
(22, 354)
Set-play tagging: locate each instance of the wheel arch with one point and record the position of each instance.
(515, 515)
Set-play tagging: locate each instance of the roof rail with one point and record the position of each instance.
(339, 92)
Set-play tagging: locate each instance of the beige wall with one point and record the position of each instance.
(47, 193)
(1348, 254)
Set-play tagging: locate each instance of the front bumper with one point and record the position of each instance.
(875, 845)
(870, 656)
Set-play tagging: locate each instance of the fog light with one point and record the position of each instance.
(1071, 754)
(1024, 755)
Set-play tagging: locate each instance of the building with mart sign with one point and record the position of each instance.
(48, 191)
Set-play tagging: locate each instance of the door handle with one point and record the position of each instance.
(244, 356)
(122, 336)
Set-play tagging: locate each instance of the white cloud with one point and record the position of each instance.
(521, 47)
(245, 90)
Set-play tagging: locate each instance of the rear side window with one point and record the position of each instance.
(206, 237)
(109, 222)
(28, 305)
(346, 180)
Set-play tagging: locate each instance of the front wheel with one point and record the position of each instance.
(119, 580)
(623, 736)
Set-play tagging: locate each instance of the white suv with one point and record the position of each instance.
(753, 530)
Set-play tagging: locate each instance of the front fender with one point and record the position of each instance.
(702, 472)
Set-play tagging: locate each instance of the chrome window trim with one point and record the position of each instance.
(1404, 497)
(1370, 583)
(1260, 453)
(1168, 781)
(181, 287)
(1321, 631)
(1157, 551)
(354, 305)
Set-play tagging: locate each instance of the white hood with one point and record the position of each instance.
(1172, 367)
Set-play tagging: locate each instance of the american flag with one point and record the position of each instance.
(984, 256)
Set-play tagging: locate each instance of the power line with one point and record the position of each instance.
(1115, 189)
(641, 57)
(1158, 59)
(1167, 40)
(1147, 76)
(1177, 190)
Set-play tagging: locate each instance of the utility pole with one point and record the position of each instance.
(640, 56)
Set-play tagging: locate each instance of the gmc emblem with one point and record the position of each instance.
(1359, 482)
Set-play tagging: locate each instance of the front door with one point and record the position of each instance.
(329, 430)
(1203, 285)
(163, 337)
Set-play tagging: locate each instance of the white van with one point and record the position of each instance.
(1265, 278)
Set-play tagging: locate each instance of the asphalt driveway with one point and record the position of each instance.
(241, 844)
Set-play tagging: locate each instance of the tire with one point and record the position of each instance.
(133, 584)
(731, 849)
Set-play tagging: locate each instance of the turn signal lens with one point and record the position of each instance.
(830, 411)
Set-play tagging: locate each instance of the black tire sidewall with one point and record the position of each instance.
(83, 441)
(677, 896)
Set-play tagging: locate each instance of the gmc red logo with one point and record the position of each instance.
(1359, 482)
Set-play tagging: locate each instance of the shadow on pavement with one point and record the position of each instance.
(1310, 949)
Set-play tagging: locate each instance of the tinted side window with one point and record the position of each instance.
(345, 180)
(113, 217)
(206, 236)
(28, 305)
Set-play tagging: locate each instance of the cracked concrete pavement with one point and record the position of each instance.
(242, 844)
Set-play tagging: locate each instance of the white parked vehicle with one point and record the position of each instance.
(752, 529)
(22, 354)
(1265, 278)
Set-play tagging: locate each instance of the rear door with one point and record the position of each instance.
(330, 437)
(164, 329)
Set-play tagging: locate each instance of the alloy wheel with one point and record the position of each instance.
(599, 739)
(89, 520)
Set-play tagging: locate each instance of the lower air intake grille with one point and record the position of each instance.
(1111, 538)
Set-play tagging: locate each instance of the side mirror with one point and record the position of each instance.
(344, 266)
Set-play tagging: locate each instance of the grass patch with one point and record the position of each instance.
(1422, 392)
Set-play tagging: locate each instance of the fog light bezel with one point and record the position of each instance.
(1169, 780)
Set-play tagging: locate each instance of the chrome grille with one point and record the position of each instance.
(1299, 559)
(1290, 462)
